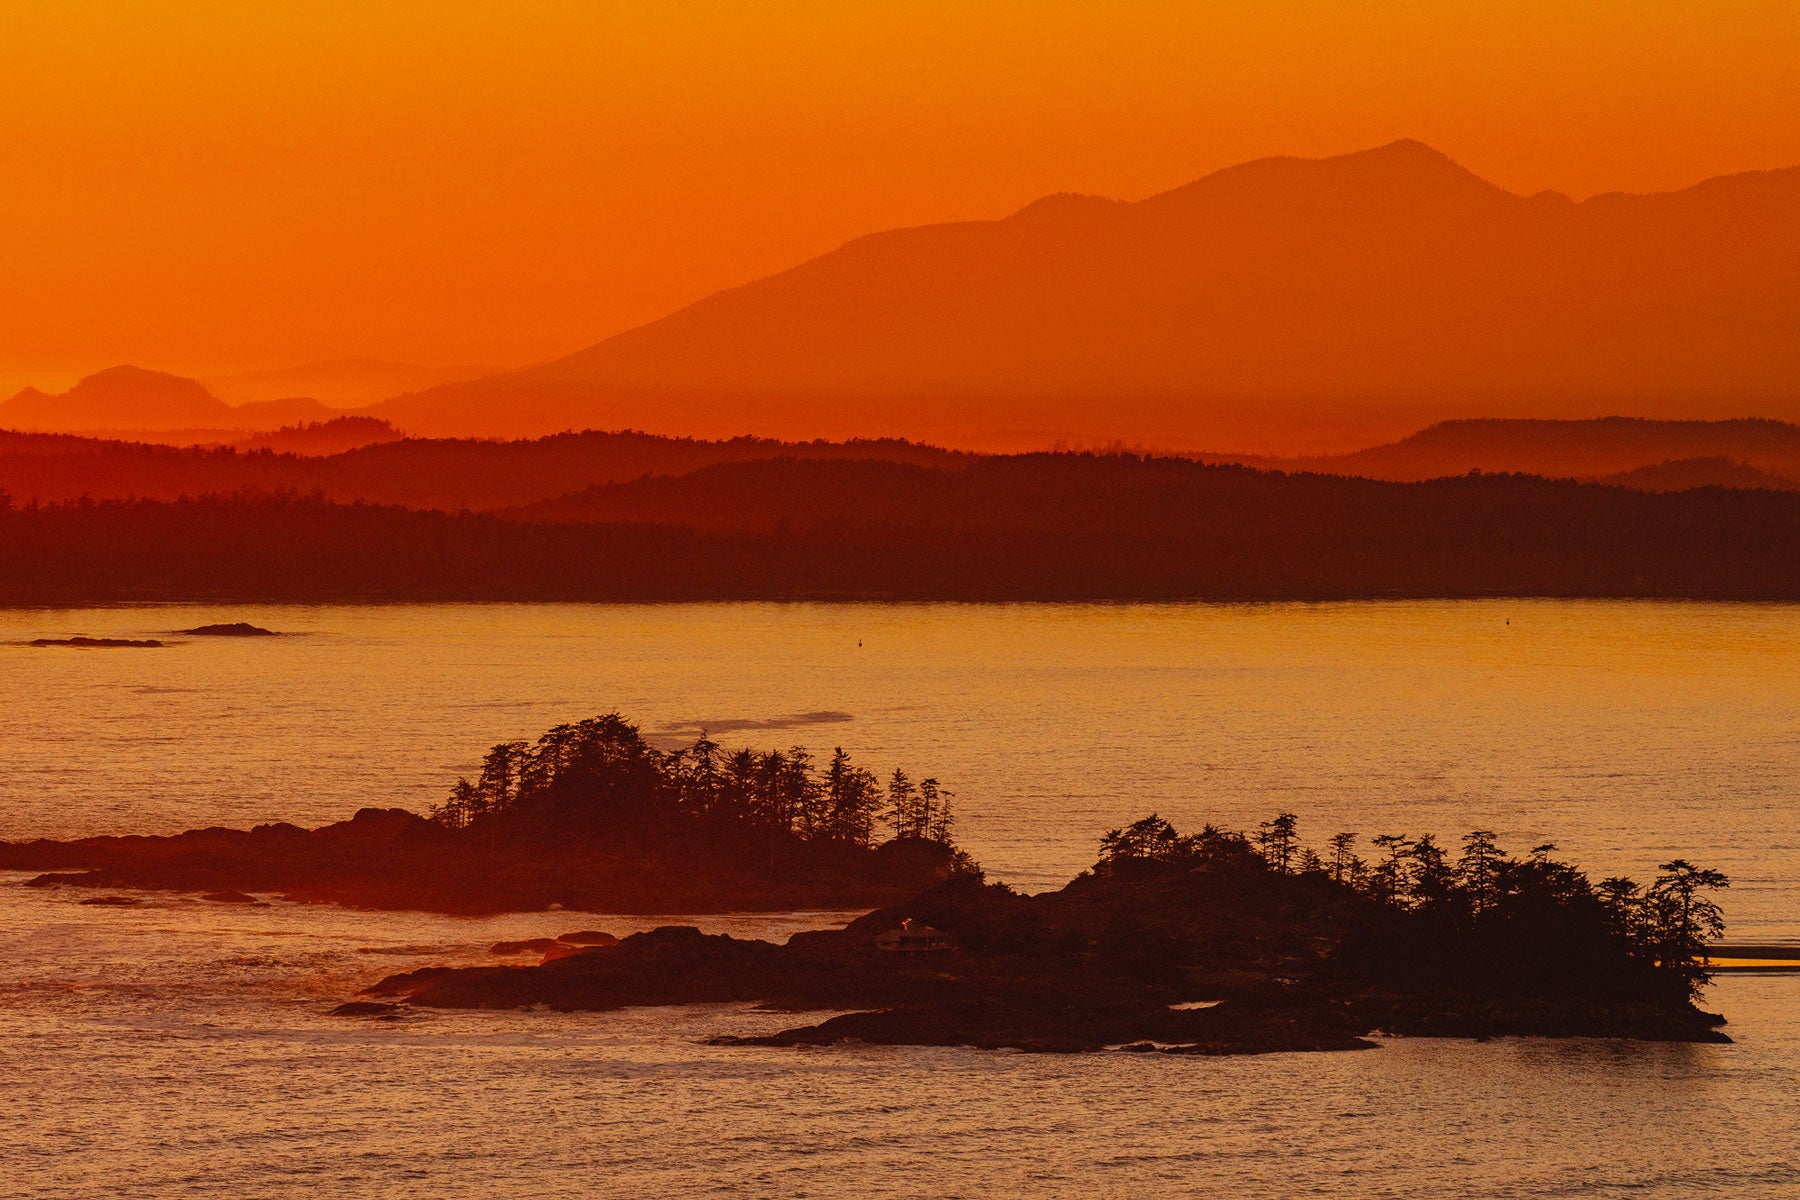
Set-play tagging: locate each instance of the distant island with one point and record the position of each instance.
(103, 643)
(589, 817)
(1210, 943)
(231, 629)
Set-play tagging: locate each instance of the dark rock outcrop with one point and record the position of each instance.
(232, 629)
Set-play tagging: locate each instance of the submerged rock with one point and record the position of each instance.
(365, 1008)
(113, 901)
(529, 946)
(231, 898)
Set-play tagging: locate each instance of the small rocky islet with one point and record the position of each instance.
(234, 629)
(101, 643)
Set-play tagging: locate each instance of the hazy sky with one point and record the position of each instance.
(208, 186)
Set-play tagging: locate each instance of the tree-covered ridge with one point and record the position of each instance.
(600, 777)
(1482, 916)
(1027, 527)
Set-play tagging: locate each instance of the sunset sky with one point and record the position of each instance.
(205, 187)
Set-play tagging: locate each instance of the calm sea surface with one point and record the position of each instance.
(180, 1048)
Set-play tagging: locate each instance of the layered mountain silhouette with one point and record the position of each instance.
(1282, 303)
(131, 399)
(572, 477)
(420, 473)
(1021, 527)
(119, 398)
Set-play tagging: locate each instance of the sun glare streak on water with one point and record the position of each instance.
(181, 1048)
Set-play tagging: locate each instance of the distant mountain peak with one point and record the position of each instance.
(1293, 302)
(122, 397)
(1406, 149)
(1405, 171)
(127, 376)
(1407, 164)
(1059, 204)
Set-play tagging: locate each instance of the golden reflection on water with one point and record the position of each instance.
(183, 1047)
(1627, 732)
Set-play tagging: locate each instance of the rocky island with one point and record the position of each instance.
(590, 817)
(1206, 943)
(1213, 943)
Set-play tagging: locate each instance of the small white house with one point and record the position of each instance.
(913, 938)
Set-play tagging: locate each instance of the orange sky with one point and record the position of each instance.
(205, 187)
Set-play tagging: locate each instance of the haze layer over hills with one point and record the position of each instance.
(343, 383)
(353, 459)
(1285, 304)
(420, 473)
(636, 516)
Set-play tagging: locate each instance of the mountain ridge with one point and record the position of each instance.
(1356, 297)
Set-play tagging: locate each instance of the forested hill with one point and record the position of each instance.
(1605, 448)
(568, 476)
(440, 473)
(1031, 527)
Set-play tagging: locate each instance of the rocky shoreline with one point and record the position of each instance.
(1064, 972)
(1213, 943)
(393, 859)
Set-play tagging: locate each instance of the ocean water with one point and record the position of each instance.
(180, 1048)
